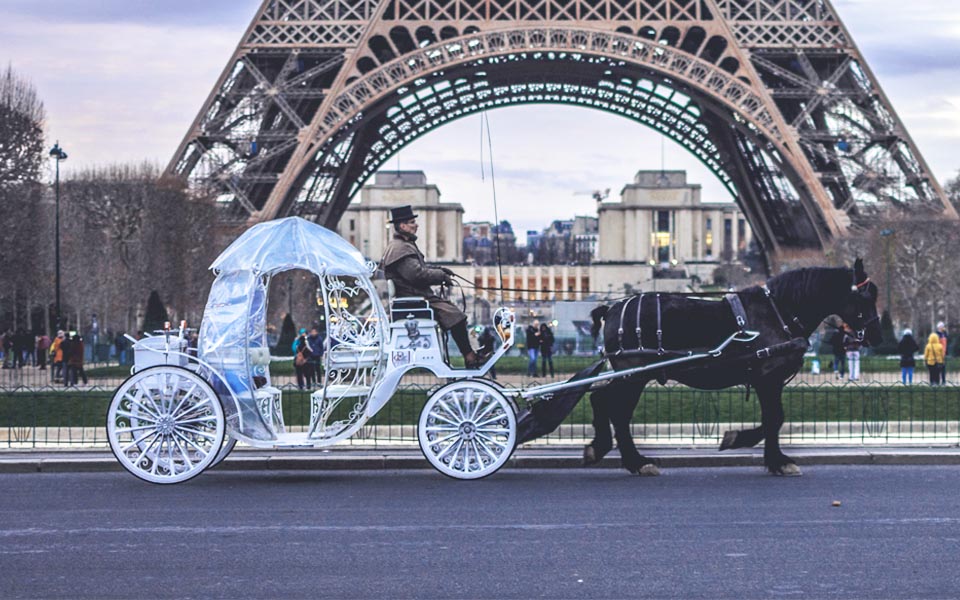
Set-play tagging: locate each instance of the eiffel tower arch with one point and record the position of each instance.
(772, 96)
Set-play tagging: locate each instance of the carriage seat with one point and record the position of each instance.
(412, 307)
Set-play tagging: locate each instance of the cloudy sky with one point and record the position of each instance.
(123, 79)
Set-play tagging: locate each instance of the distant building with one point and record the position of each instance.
(365, 222)
(661, 222)
(480, 241)
(570, 242)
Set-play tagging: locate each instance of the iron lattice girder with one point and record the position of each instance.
(603, 84)
(845, 128)
(309, 69)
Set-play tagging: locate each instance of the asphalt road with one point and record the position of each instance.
(691, 533)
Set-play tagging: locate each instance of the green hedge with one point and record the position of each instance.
(675, 404)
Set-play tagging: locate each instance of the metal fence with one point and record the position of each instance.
(821, 413)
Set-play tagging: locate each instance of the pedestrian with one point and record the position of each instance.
(851, 345)
(933, 357)
(43, 347)
(546, 350)
(4, 350)
(533, 347)
(907, 348)
(942, 334)
(301, 357)
(120, 347)
(75, 360)
(56, 357)
(19, 348)
(315, 360)
(839, 355)
(486, 341)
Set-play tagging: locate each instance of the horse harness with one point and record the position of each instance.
(740, 317)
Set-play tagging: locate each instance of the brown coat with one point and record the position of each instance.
(404, 265)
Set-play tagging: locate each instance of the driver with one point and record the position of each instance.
(403, 264)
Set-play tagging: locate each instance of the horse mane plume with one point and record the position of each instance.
(597, 315)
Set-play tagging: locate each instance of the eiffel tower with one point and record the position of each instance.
(773, 96)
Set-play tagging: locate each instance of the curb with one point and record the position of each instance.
(535, 458)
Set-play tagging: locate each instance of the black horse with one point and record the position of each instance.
(651, 328)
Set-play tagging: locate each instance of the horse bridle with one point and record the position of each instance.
(855, 288)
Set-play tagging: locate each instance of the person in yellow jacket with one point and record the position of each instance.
(56, 354)
(933, 356)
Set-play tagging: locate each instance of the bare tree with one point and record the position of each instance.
(21, 130)
(132, 232)
(912, 260)
(24, 268)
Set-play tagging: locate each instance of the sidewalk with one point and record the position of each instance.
(558, 457)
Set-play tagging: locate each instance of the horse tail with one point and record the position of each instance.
(597, 315)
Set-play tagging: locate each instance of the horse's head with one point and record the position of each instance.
(860, 306)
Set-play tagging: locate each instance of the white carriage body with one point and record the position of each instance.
(365, 354)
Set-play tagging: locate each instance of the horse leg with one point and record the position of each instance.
(745, 438)
(621, 414)
(602, 440)
(770, 394)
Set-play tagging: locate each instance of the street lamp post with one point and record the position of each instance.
(58, 155)
(886, 235)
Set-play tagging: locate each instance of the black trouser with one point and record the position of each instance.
(546, 356)
(462, 339)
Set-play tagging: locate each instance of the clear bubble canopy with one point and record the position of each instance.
(291, 243)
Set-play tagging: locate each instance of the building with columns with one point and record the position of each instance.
(661, 221)
(365, 223)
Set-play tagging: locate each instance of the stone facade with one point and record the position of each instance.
(365, 224)
(661, 221)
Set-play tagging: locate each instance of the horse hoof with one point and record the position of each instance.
(728, 439)
(649, 470)
(790, 470)
(589, 456)
(787, 470)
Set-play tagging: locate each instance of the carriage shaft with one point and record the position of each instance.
(540, 390)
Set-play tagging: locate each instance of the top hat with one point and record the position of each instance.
(401, 214)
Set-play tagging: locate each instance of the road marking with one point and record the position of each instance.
(245, 529)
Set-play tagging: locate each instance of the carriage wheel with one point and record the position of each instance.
(225, 450)
(165, 424)
(467, 430)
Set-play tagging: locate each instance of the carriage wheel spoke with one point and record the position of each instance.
(130, 415)
(440, 417)
(137, 441)
(183, 452)
(191, 409)
(442, 428)
(146, 409)
(490, 453)
(491, 440)
(486, 411)
(453, 414)
(453, 435)
(198, 448)
(490, 420)
(195, 432)
(186, 395)
(455, 446)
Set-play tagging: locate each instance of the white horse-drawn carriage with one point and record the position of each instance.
(181, 411)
